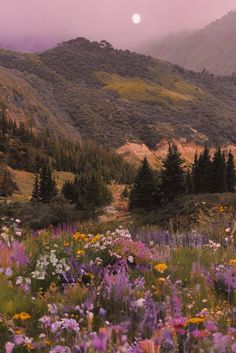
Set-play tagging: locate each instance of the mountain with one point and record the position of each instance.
(212, 48)
(89, 90)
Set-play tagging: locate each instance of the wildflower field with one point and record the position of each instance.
(64, 291)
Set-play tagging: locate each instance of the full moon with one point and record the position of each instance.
(136, 18)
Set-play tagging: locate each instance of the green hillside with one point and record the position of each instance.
(90, 90)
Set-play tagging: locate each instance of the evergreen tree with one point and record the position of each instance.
(47, 185)
(88, 191)
(189, 182)
(231, 176)
(219, 172)
(144, 190)
(36, 190)
(202, 172)
(69, 191)
(173, 175)
(7, 184)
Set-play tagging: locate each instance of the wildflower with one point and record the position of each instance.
(162, 267)
(232, 262)
(161, 279)
(233, 347)
(9, 346)
(22, 316)
(60, 349)
(227, 230)
(140, 303)
(195, 320)
(71, 325)
(131, 259)
(45, 321)
(80, 252)
(66, 244)
(8, 272)
(79, 236)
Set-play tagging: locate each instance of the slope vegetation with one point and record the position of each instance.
(112, 97)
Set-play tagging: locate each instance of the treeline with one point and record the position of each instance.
(208, 174)
(88, 191)
(23, 149)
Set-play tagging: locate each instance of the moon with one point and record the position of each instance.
(136, 18)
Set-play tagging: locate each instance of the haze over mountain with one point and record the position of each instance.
(212, 48)
(90, 90)
(37, 25)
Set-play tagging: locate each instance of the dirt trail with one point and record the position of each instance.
(118, 209)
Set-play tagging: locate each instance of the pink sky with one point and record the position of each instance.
(56, 20)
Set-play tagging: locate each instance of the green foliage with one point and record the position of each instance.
(22, 149)
(173, 175)
(72, 95)
(216, 174)
(88, 191)
(219, 172)
(231, 176)
(37, 215)
(7, 184)
(145, 191)
(202, 172)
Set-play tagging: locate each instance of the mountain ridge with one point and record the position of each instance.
(90, 90)
(212, 48)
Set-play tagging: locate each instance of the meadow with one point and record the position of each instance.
(147, 290)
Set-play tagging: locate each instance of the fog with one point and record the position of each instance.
(37, 24)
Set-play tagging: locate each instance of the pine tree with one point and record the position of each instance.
(202, 172)
(173, 175)
(7, 184)
(47, 185)
(189, 182)
(143, 192)
(219, 172)
(36, 190)
(231, 176)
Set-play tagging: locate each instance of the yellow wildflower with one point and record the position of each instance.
(79, 236)
(48, 342)
(232, 262)
(161, 279)
(66, 244)
(95, 238)
(29, 346)
(195, 320)
(80, 252)
(221, 209)
(22, 316)
(161, 267)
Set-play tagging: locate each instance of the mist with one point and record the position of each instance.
(35, 25)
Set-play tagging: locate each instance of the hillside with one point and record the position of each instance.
(112, 97)
(212, 48)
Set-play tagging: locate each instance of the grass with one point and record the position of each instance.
(25, 182)
(139, 89)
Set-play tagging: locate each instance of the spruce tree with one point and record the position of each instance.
(143, 192)
(47, 185)
(219, 172)
(202, 172)
(36, 190)
(231, 176)
(189, 182)
(173, 175)
(92, 192)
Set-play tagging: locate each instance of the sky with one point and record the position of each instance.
(30, 24)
